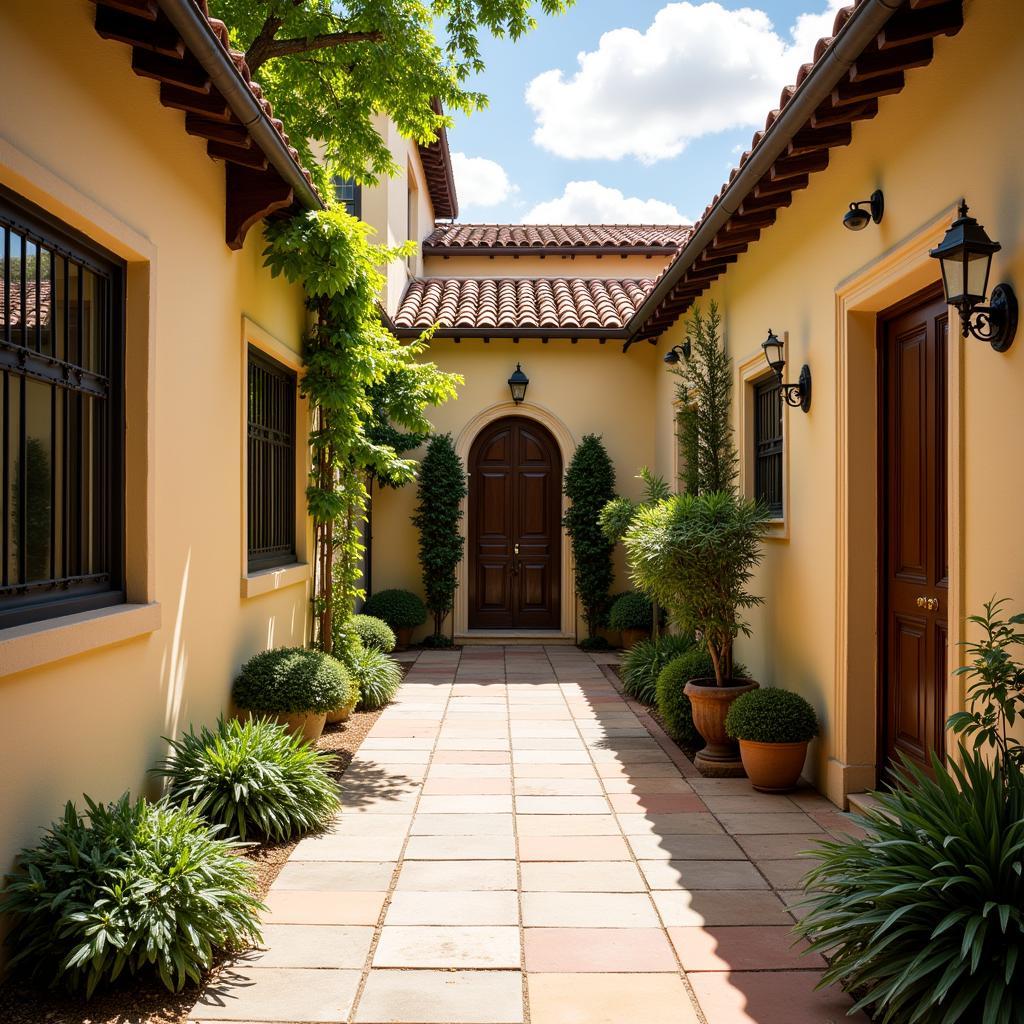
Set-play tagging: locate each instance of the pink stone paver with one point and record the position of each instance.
(521, 842)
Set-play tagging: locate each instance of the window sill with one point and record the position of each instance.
(266, 580)
(778, 529)
(41, 643)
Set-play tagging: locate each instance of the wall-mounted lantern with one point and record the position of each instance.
(796, 395)
(857, 218)
(677, 352)
(965, 255)
(517, 384)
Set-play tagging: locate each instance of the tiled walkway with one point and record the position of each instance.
(516, 847)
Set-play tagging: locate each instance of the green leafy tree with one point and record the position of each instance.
(347, 353)
(705, 396)
(329, 66)
(442, 487)
(589, 486)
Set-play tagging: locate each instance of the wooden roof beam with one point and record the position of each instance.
(156, 34)
(251, 196)
(251, 158)
(147, 9)
(908, 25)
(873, 63)
(218, 131)
(209, 105)
(827, 115)
(809, 163)
(868, 89)
(755, 204)
(767, 187)
(810, 140)
(185, 72)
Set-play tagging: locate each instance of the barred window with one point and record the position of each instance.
(271, 463)
(61, 418)
(768, 445)
(350, 195)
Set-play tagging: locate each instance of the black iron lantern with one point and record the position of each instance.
(677, 352)
(796, 395)
(517, 384)
(965, 256)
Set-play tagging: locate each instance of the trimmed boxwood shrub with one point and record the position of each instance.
(253, 777)
(374, 632)
(643, 662)
(292, 679)
(673, 705)
(378, 677)
(400, 609)
(771, 715)
(136, 888)
(631, 610)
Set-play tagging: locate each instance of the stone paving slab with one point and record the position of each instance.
(519, 841)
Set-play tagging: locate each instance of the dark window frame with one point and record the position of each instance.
(353, 203)
(769, 445)
(271, 463)
(72, 385)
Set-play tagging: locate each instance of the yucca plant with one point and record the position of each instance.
(134, 887)
(253, 777)
(378, 677)
(923, 920)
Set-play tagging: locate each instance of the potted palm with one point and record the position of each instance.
(696, 555)
(773, 727)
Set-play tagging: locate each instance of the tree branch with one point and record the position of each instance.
(265, 47)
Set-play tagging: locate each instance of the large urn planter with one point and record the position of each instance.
(710, 704)
(306, 724)
(343, 714)
(773, 767)
(631, 637)
(403, 634)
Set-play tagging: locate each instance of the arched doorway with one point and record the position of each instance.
(515, 536)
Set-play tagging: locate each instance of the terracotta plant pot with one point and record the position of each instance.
(307, 724)
(343, 714)
(710, 704)
(633, 636)
(403, 636)
(773, 767)
(612, 637)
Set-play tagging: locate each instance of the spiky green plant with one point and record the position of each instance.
(643, 662)
(134, 887)
(923, 920)
(252, 777)
(378, 676)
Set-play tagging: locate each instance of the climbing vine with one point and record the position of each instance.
(356, 375)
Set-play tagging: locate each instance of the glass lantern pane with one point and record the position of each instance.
(977, 274)
(953, 278)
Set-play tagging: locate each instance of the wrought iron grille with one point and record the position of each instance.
(61, 419)
(271, 463)
(768, 443)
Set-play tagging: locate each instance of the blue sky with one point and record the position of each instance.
(666, 98)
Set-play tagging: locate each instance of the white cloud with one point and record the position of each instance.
(480, 182)
(698, 69)
(590, 202)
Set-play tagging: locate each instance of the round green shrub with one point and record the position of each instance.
(593, 643)
(253, 777)
(921, 919)
(139, 888)
(438, 641)
(378, 677)
(612, 598)
(771, 715)
(631, 610)
(291, 679)
(374, 632)
(400, 609)
(643, 662)
(673, 705)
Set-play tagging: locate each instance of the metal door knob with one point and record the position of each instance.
(921, 602)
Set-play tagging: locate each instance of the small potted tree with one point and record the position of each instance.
(696, 554)
(402, 610)
(631, 614)
(773, 727)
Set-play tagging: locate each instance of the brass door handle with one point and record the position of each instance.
(921, 602)
(928, 603)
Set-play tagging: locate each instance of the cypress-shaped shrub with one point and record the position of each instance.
(442, 487)
(589, 486)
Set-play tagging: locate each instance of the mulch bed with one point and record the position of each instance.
(148, 1002)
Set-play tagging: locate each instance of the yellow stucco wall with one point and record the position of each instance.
(954, 131)
(85, 138)
(588, 387)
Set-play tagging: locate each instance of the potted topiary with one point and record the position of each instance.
(631, 614)
(773, 727)
(696, 554)
(295, 686)
(402, 610)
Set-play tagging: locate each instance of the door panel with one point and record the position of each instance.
(514, 527)
(914, 579)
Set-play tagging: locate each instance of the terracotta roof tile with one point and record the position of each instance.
(513, 303)
(533, 237)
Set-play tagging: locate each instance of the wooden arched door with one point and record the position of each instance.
(515, 490)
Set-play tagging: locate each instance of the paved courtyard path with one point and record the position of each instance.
(517, 848)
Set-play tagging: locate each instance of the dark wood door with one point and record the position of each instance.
(515, 487)
(915, 572)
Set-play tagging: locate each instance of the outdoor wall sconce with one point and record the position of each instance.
(965, 255)
(517, 384)
(856, 218)
(796, 395)
(673, 355)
